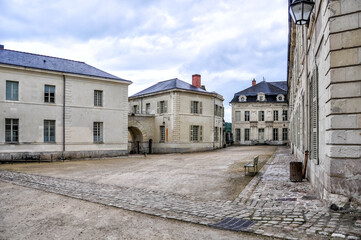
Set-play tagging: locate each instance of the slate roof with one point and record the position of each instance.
(270, 89)
(174, 83)
(30, 60)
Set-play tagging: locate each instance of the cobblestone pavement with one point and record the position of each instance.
(278, 207)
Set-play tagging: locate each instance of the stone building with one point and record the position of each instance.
(260, 114)
(174, 116)
(53, 108)
(324, 79)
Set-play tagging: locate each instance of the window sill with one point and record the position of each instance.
(12, 143)
(98, 142)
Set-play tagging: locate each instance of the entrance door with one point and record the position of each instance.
(261, 135)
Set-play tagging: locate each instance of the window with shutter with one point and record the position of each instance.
(200, 107)
(314, 116)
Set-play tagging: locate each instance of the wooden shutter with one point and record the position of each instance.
(165, 106)
(192, 105)
(191, 132)
(314, 117)
(158, 107)
(200, 133)
(200, 107)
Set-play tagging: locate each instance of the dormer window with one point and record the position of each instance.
(242, 98)
(261, 97)
(280, 98)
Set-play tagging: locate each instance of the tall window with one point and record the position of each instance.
(162, 133)
(49, 94)
(246, 134)
(49, 130)
(238, 134)
(246, 116)
(260, 115)
(275, 134)
(314, 128)
(196, 133)
(98, 132)
(162, 106)
(275, 115)
(196, 107)
(238, 116)
(135, 109)
(284, 134)
(147, 108)
(12, 90)
(284, 115)
(215, 134)
(11, 130)
(98, 98)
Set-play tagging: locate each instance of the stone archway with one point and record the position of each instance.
(140, 132)
(135, 142)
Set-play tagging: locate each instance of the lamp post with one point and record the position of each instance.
(300, 11)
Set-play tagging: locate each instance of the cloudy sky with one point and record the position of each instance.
(228, 42)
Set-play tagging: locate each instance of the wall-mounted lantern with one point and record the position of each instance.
(300, 11)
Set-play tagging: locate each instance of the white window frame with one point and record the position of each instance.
(14, 128)
(49, 128)
(49, 96)
(98, 132)
(98, 98)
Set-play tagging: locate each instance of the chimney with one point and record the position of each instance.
(1, 47)
(196, 80)
(253, 82)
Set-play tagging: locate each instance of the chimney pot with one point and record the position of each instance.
(196, 80)
(253, 82)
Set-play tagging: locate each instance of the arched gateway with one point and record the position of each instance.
(140, 132)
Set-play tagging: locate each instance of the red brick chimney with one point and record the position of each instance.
(196, 80)
(253, 82)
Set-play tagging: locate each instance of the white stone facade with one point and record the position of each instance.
(324, 78)
(73, 119)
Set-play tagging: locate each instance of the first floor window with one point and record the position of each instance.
(246, 134)
(284, 115)
(135, 109)
(162, 133)
(196, 133)
(238, 134)
(261, 116)
(98, 98)
(49, 130)
(196, 107)
(284, 134)
(98, 132)
(12, 90)
(147, 108)
(275, 115)
(246, 116)
(238, 116)
(11, 130)
(162, 107)
(275, 134)
(49, 94)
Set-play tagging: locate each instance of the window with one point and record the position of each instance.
(238, 134)
(284, 134)
(215, 134)
(238, 116)
(280, 98)
(242, 98)
(49, 94)
(162, 133)
(12, 90)
(314, 128)
(135, 109)
(275, 115)
(260, 115)
(246, 134)
(11, 130)
(98, 98)
(284, 115)
(246, 116)
(196, 107)
(162, 106)
(98, 132)
(196, 133)
(275, 134)
(49, 130)
(147, 108)
(261, 97)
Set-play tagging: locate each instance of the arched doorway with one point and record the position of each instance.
(135, 142)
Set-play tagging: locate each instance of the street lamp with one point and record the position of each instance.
(300, 11)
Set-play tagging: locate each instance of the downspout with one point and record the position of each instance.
(214, 119)
(64, 85)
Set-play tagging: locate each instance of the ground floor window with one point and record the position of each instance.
(238, 134)
(49, 130)
(215, 134)
(246, 134)
(98, 132)
(284, 134)
(196, 133)
(275, 134)
(11, 130)
(162, 133)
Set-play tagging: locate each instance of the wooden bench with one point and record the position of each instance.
(253, 164)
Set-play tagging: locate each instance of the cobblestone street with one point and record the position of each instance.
(278, 207)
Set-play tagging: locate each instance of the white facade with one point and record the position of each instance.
(72, 114)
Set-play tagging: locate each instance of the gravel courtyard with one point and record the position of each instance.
(32, 214)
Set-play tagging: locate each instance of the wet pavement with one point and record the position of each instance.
(271, 204)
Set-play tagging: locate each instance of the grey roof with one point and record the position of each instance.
(36, 61)
(270, 89)
(174, 83)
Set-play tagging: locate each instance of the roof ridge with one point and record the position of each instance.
(41, 55)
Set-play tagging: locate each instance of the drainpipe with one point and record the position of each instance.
(214, 120)
(64, 84)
